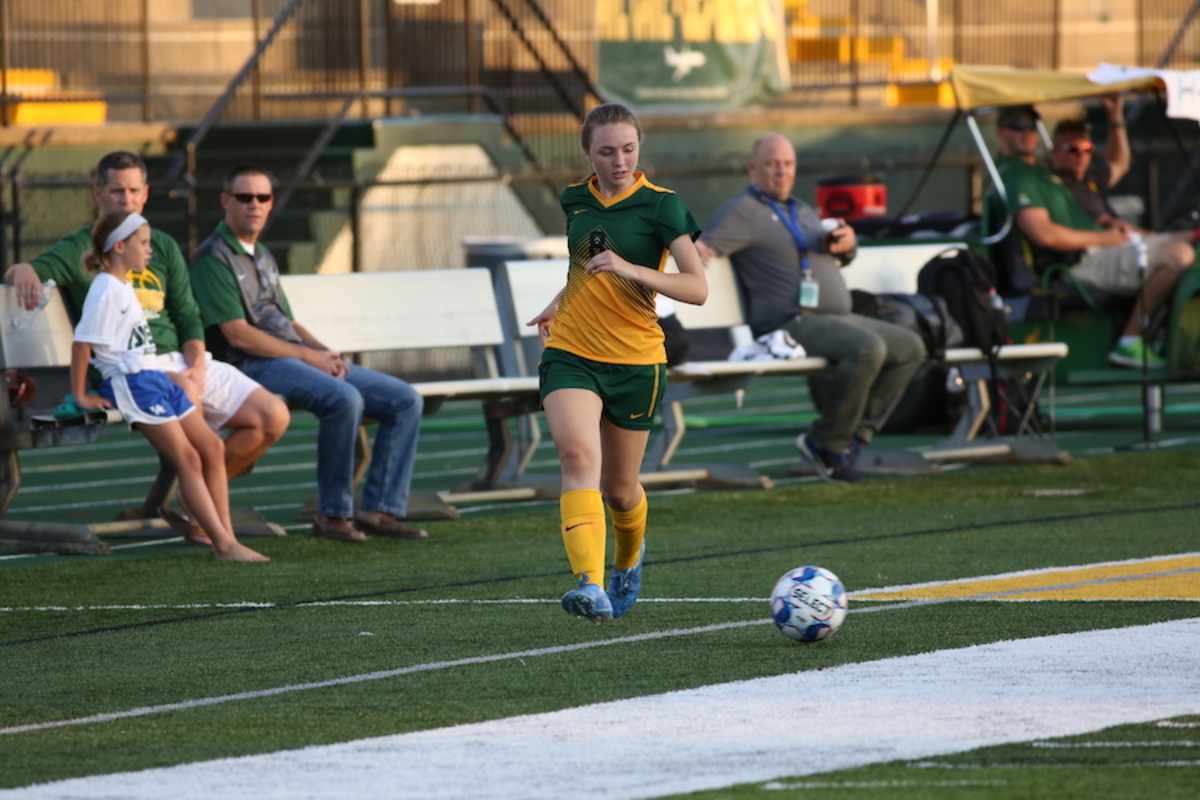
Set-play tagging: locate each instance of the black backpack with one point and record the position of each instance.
(925, 314)
(967, 282)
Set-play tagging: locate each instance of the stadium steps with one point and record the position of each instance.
(278, 147)
(313, 218)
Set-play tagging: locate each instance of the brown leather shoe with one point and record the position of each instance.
(339, 529)
(377, 523)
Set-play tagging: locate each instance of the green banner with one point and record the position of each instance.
(694, 53)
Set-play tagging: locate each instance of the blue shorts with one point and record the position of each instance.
(148, 397)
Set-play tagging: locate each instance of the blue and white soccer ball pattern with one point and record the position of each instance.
(808, 604)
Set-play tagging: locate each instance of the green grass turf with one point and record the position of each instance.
(97, 657)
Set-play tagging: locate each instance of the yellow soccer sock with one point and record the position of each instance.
(584, 533)
(630, 529)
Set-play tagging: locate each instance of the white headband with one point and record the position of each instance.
(124, 230)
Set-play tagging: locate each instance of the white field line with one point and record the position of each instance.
(514, 601)
(370, 676)
(753, 731)
(518, 601)
(395, 673)
(864, 595)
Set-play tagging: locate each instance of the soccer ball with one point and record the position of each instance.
(808, 604)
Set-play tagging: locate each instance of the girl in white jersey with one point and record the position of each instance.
(113, 336)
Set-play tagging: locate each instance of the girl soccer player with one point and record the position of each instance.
(603, 369)
(113, 335)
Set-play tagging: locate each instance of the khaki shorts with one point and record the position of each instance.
(1115, 269)
(225, 386)
(630, 393)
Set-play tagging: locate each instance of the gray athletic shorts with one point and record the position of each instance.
(225, 386)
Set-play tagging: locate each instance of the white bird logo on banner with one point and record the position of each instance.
(683, 60)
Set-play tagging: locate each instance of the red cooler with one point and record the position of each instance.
(852, 196)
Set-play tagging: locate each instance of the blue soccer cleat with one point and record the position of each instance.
(625, 584)
(588, 601)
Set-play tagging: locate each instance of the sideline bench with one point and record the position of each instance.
(368, 312)
(529, 285)
(362, 312)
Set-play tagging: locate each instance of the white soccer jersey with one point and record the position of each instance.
(112, 322)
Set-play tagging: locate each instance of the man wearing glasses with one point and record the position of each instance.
(249, 323)
(1057, 230)
(1074, 160)
(254, 417)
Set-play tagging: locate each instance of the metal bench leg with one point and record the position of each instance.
(10, 479)
(362, 455)
(506, 460)
(161, 492)
(674, 428)
(529, 436)
(663, 445)
(500, 447)
(979, 403)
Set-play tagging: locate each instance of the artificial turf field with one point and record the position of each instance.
(159, 656)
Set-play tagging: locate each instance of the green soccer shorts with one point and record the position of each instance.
(630, 392)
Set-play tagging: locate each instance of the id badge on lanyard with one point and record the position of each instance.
(810, 289)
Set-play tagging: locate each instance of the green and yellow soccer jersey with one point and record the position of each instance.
(603, 317)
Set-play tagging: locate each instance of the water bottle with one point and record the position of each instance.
(956, 395)
(24, 316)
(1143, 257)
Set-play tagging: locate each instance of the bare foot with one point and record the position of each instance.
(239, 552)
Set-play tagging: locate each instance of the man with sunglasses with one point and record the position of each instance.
(1056, 229)
(254, 417)
(249, 323)
(1074, 160)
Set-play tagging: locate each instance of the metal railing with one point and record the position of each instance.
(154, 61)
(25, 199)
(530, 62)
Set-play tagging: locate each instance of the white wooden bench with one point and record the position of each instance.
(532, 284)
(370, 312)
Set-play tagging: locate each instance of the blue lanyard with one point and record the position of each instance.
(791, 221)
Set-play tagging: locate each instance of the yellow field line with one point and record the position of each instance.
(1175, 577)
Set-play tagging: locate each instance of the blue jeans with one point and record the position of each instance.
(340, 405)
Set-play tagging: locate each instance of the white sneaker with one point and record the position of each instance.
(780, 344)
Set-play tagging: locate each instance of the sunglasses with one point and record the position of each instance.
(1023, 125)
(1078, 149)
(246, 198)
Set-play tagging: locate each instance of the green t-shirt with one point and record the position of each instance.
(1031, 186)
(163, 288)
